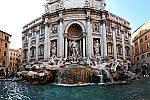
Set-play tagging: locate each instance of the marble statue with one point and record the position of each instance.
(96, 47)
(54, 49)
(74, 48)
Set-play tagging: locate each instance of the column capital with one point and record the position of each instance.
(60, 19)
(103, 16)
(38, 28)
(88, 18)
(102, 21)
(46, 22)
(84, 34)
(65, 35)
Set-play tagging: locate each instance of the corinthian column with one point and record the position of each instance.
(114, 42)
(84, 47)
(37, 43)
(29, 44)
(123, 45)
(46, 40)
(103, 40)
(60, 40)
(66, 47)
(89, 36)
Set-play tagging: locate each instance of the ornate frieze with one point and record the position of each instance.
(85, 27)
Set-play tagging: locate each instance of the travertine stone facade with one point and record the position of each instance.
(82, 21)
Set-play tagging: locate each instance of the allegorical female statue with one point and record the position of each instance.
(96, 47)
(54, 49)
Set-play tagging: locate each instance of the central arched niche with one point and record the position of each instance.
(74, 31)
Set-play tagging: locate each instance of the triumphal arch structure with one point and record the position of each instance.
(76, 28)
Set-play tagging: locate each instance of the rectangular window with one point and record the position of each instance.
(118, 32)
(3, 62)
(5, 53)
(140, 33)
(42, 31)
(41, 51)
(146, 37)
(109, 49)
(10, 58)
(33, 34)
(141, 40)
(5, 45)
(7, 38)
(147, 45)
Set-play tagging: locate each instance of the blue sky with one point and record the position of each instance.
(17, 13)
(135, 11)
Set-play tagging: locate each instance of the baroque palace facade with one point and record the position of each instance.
(76, 27)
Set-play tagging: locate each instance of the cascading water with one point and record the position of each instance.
(100, 75)
(73, 74)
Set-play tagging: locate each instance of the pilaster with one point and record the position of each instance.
(46, 39)
(89, 35)
(84, 46)
(104, 39)
(29, 44)
(123, 45)
(66, 47)
(37, 43)
(114, 41)
(60, 40)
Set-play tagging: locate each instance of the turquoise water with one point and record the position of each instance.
(139, 90)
